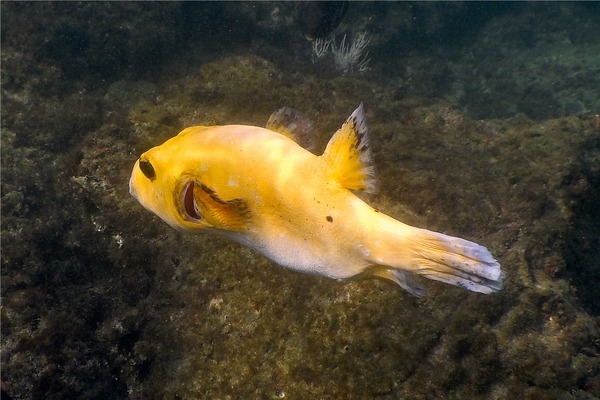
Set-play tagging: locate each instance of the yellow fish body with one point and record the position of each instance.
(262, 189)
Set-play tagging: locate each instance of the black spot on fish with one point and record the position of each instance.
(329, 218)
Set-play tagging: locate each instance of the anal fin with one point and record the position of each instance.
(404, 279)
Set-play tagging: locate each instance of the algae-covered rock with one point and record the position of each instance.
(95, 286)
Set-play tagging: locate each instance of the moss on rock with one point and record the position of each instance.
(95, 286)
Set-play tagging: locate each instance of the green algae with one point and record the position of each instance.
(264, 332)
(210, 318)
(94, 285)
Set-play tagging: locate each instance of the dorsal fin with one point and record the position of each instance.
(349, 156)
(293, 124)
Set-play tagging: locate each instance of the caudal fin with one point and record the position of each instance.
(436, 256)
(458, 262)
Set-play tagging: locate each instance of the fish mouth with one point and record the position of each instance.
(190, 207)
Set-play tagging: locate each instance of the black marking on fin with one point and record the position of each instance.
(205, 205)
(349, 155)
(213, 195)
(294, 125)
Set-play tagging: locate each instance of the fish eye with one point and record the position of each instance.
(147, 169)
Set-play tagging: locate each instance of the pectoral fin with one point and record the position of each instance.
(203, 204)
(348, 154)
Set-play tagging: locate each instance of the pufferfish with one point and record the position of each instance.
(261, 188)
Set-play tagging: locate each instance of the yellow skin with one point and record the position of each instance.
(260, 188)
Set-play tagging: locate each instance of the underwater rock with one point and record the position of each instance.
(152, 313)
(320, 18)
